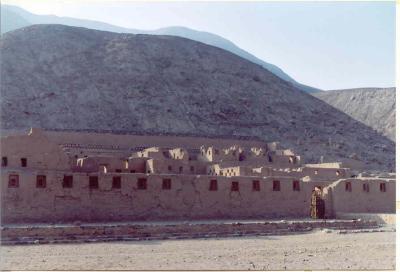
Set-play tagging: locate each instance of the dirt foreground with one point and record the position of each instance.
(318, 250)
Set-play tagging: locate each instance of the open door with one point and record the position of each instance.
(317, 204)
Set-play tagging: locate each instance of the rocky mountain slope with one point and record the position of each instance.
(61, 77)
(14, 17)
(375, 107)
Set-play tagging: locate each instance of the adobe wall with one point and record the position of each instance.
(128, 141)
(172, 166)
(316, 173)
(324, 165)
(92, 164)
(189, 198)
(76, 150)
(39, 151)
(214, 154)
(285, 160)
(360, 201)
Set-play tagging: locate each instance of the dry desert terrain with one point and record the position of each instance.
(318, 250)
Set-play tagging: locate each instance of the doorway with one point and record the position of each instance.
(317, 204)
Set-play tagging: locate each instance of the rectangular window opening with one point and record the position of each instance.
(142, 184)
(366, 187)
(382, 187)
(166, 184)
(13, 181)
(67, 181)
(276, 185)
(348, 186)
(24, 162)
(4, 161)
(235, 186)
(40, 181)
(256, 185)
(296, 185)
(213, 185)
(93, 182)
(116, 182)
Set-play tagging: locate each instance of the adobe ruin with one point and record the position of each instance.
(53, 176)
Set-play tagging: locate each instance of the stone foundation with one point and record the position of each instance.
(380, 218)
(23, 234)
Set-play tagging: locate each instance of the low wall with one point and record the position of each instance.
(110, 232)
(380, 218)
(358, 200)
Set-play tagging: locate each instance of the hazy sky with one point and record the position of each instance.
(328, 45)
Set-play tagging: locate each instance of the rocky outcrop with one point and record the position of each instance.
(61, 77)
(375, 107)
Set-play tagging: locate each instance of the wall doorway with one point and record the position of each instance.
(317, 204)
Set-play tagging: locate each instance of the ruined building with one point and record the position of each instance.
(61, 176)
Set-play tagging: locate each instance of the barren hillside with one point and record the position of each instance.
(375, 107)
(54, 76)
(13, 17)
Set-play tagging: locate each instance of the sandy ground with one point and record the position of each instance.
(317, 251)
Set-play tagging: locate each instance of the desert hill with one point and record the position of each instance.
(14, 17)
(62, 77)
(375, 107)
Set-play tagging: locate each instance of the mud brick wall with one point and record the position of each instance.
(189, 198)
(360, 200)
